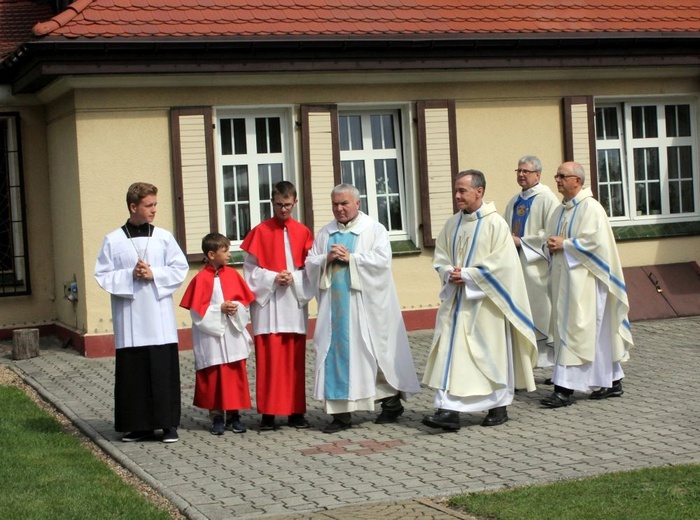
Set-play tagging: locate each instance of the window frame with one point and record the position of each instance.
(17, 230)
(403, 114)
(627, 145)
(287, 153)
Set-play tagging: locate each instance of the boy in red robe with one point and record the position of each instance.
(274, 270)
(218, 299)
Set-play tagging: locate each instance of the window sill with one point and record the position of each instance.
(674, 229)
(404, 247)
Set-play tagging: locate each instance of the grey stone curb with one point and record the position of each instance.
(182, 505)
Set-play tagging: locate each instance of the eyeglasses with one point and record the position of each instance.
(279, 205)
(523, 170)
(562, 176)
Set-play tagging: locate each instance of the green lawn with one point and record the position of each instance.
(667, 493)
(46, 473)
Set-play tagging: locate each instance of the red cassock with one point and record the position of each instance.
(280, 356)
(223, 386)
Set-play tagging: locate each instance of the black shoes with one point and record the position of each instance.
(496, 416)
(389, 416)
(556, 400)
(137, 436)
(341, 421)
(445, 419)
(548, 381)
(267, 423)
(170, 435)
(218, 425)
(604, 393)
(391, 410)
(298, 421)
(236, 425)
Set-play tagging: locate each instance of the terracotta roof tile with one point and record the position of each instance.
(219, 19)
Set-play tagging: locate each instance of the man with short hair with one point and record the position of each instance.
(141, 266)
(527, 213)
(362, 349)
(274, 270)
(589, 299)
(484, 344)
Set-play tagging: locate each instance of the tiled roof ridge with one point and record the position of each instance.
(61, 19)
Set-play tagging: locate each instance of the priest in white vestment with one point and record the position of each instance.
(362, 349)
(484, 345)
(527, 214)
(592, 334)
(141, 266)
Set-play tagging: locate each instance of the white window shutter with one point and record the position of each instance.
(437, 151)
(321, 162)
(194, 177)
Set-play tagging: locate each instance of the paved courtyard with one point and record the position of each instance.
(399, 470)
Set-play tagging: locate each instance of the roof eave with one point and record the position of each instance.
(36, 64)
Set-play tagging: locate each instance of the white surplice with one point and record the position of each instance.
(143, 313)
(277, 309)
(219, 339)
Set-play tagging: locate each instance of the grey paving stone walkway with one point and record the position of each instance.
(399, 470)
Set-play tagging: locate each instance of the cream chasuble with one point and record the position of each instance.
(484, 334)
(589, 297)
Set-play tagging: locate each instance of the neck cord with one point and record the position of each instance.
(145, 250)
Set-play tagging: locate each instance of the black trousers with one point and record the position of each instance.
(146, 388)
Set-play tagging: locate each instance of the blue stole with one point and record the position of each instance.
(457, 262)
(521, 210)
(337, 363)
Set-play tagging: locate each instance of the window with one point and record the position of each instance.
(371, 160)
(252, 158)
(647, 166)
(14, 263)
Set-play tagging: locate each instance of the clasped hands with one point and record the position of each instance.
(555, 244)
(338, 253)
(456, 276)
(229, 308)
(142, 271)
(284, 278)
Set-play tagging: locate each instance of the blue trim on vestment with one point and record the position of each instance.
(504, 293)
(460, 289)
(337, 362)
(601, 263)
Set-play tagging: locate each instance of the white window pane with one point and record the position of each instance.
(677, 120)
(606, 123)
(382, 131)
(644, 122)
(350, 132)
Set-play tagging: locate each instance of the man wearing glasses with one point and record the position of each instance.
(589, 299)
(274, 270)
(527, 214)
